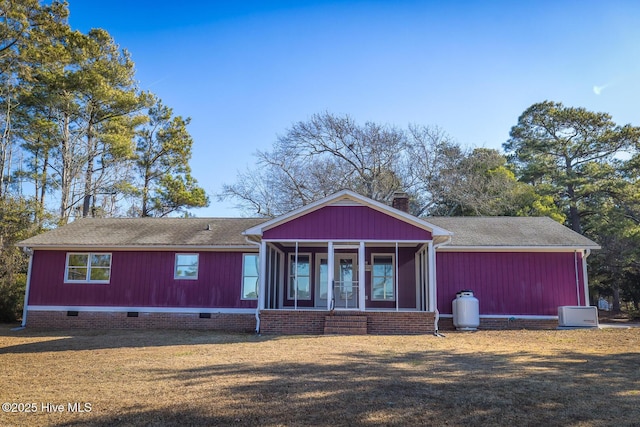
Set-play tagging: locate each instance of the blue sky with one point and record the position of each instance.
(244, 71)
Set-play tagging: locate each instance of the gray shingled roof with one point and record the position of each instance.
(115, 232)
(149, 232)
(510, 231)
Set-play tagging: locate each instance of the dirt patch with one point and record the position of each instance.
(572, 377)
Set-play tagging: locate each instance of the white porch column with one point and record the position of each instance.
(295, 281)
(432, 294)
(262, 275)
(361, 262)
(395, 274)
(585, 254)
(330, 275)
(262, 281)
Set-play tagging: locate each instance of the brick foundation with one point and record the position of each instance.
(120, 320)
(272, 322)
(290, 322)
(446, 324)
(400, 323)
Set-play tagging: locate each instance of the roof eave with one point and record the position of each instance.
(515, 248)
(137, 248)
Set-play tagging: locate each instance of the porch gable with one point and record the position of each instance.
(347, 216)
(346, 223)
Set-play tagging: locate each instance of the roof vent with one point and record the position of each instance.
(209, 227)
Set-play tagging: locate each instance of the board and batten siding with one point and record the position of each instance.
(142, 279)
(347, 223)
(511, 283)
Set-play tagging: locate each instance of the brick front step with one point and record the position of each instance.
(344, 331)
(345, 325)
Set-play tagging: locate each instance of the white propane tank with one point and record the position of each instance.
(466, 316)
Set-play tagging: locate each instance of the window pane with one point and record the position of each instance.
(379, 270)
(324, 272)
(77, 273)
(304, 291)
(100, 260)
(187, 259)
(250, 288)
(382, 287)
(302, 272)
(291, 289)
(303, 265)
(250, 276)
(187, 271)
(186, 266)
(100, 273)
(389, 288)
(388, 270)
(78, 260)
(250, 265)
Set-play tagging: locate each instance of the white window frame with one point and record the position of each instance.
(175, 266)
(88, 267)
(244, 257)
(290, 277)
(393, 275)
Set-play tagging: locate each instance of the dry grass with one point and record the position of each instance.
(571, 378)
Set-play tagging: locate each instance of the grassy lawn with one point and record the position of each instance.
(570, 378)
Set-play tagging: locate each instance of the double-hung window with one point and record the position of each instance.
(87, 267)
(186, 267)
(249, 276)
(300, 275)
(382, 278)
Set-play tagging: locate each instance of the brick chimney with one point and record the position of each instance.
(400, 201)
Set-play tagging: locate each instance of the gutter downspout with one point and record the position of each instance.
(259, 245)
(586, 254)
(575, 262)
(435, 285)
(28, 287)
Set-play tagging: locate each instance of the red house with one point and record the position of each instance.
(344, 263)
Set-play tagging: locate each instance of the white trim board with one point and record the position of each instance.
(509, 316)
(106, 309)
(156, 248)
(510, 249)
(351, 241)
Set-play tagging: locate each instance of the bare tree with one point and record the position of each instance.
(318, 157)
(432, 158)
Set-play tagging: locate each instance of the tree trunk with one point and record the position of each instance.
(88, 177)
(66, 173)
(6, 146)
(574, 214)
(43, 189)
(616, 299)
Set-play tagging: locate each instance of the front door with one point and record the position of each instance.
(345, 281)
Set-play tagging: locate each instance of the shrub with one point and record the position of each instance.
(12, 297)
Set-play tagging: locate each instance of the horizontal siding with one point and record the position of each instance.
(347, 222)
(142, 279)
(532, 283)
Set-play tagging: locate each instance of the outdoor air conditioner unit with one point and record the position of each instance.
(578, 316)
